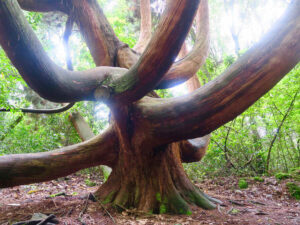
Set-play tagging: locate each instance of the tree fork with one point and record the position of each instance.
(146, 177)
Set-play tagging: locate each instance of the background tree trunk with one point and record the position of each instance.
(86, 133)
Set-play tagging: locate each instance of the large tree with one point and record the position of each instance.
(149, 137)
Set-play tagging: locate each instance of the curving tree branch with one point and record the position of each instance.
(44, 5)
(185, 68)
(94, 27)
(161, 52)
(43, 75)
(96, 30)
(37, 167)
(221, 100)
(56, 84)
(193, 150)
(43, 111)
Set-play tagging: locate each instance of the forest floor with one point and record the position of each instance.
(261, 203)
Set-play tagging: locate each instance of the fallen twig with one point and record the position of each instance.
(84, 208)
(46, 220)
(236, 203)
(113, 220)
(219, 209)
(257, 203)
(56, 195)
(261, 213)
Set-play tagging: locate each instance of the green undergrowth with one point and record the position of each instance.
(295, 173)
(89, 183)
(259, 179)
(294, 190)
(282, 176)
(243, 184)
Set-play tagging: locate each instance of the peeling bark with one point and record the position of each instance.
(162, 187)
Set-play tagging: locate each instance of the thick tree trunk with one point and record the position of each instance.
(148, 178)
(153, 182)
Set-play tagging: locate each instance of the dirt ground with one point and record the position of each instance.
(262, 203)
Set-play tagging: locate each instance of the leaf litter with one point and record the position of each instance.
(265, 202)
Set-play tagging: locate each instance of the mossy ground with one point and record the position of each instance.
(243, 184)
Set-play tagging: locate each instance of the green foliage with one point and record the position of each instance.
(295, 173)
(164, 93)
(243, 184)
(250, 134)
(89, 183)
(57, 194)
(162, 208)
(34, 19)
(229, 60)
(121, 17)
(158, 197)
(282, 176)
(38, 133)
(259, 179)
(234, 211)
(294, 190)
